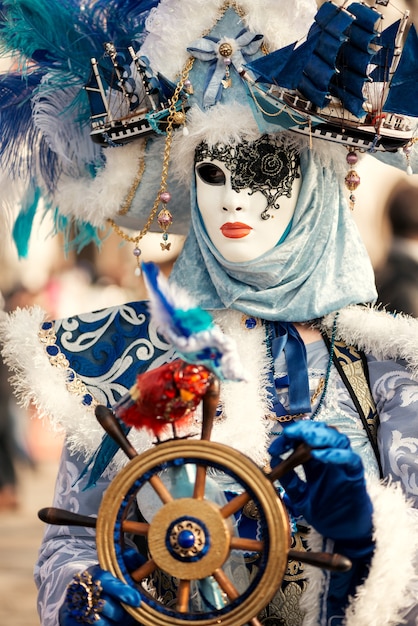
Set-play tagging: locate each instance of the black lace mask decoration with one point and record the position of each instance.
(258, 166)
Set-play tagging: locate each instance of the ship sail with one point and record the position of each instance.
(403, 92)
(333, 61)
(310, 66)
(354, 58)
(320, 69)
(382, 60)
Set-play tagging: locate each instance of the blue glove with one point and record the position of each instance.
(333, 499)
(94, 597)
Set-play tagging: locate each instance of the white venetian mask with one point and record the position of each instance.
(238, 190)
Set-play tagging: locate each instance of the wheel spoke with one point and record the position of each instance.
(235, 505)
(145, 570)
(250, 545)
(136, 528)
(225, 584)
(160, 489)
(200, 482)
(300, 455)
(183, 596)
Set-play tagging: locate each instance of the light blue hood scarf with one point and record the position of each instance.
(320, 267)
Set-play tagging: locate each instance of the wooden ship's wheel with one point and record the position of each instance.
(190, 536)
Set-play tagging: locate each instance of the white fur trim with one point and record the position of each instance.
(35, 381)
(392, 584)
(245, 403)
(233, 123)
(378, 332)
(52, 115)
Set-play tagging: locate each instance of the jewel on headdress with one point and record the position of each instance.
(352, 179)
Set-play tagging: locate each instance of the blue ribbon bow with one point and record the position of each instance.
(206, 49)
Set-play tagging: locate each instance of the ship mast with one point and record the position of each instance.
(398, 45)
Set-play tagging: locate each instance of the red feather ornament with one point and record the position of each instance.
(166, 395)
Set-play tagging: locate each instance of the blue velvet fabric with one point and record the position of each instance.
(109, 348)
(320, 267)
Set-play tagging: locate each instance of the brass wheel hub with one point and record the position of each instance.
(185, 546)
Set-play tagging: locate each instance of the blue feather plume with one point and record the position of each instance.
(24, 154)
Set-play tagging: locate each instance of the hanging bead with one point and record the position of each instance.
(165, 197)
(352, 179)
(352, 158)
(165, 219)
(137, 253)
(188, 87)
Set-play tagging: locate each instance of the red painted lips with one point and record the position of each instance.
(235, 230)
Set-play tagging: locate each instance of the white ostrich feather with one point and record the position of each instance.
(54, 117)
(101, 197)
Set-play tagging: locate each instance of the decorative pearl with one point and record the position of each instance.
(352, 158)
(138, 271)
(409, 170)
(227, 61)
(165, 197)
(137, 252)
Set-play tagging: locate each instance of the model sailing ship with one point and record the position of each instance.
(349, 81)
(127, 101)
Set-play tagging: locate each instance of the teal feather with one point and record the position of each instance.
(76, 233)
(192, 321)
(45, 32)
(22, 228)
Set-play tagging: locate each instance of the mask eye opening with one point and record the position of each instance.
(210, 174)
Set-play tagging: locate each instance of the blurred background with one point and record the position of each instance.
(66, 285)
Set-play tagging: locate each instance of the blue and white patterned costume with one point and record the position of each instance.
(90, 345)
(321, 268)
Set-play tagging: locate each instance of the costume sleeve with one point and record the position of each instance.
(395, 392)
(395, 501)
(66, 551)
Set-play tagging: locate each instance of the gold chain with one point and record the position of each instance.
(314, 397)
(164, 174)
